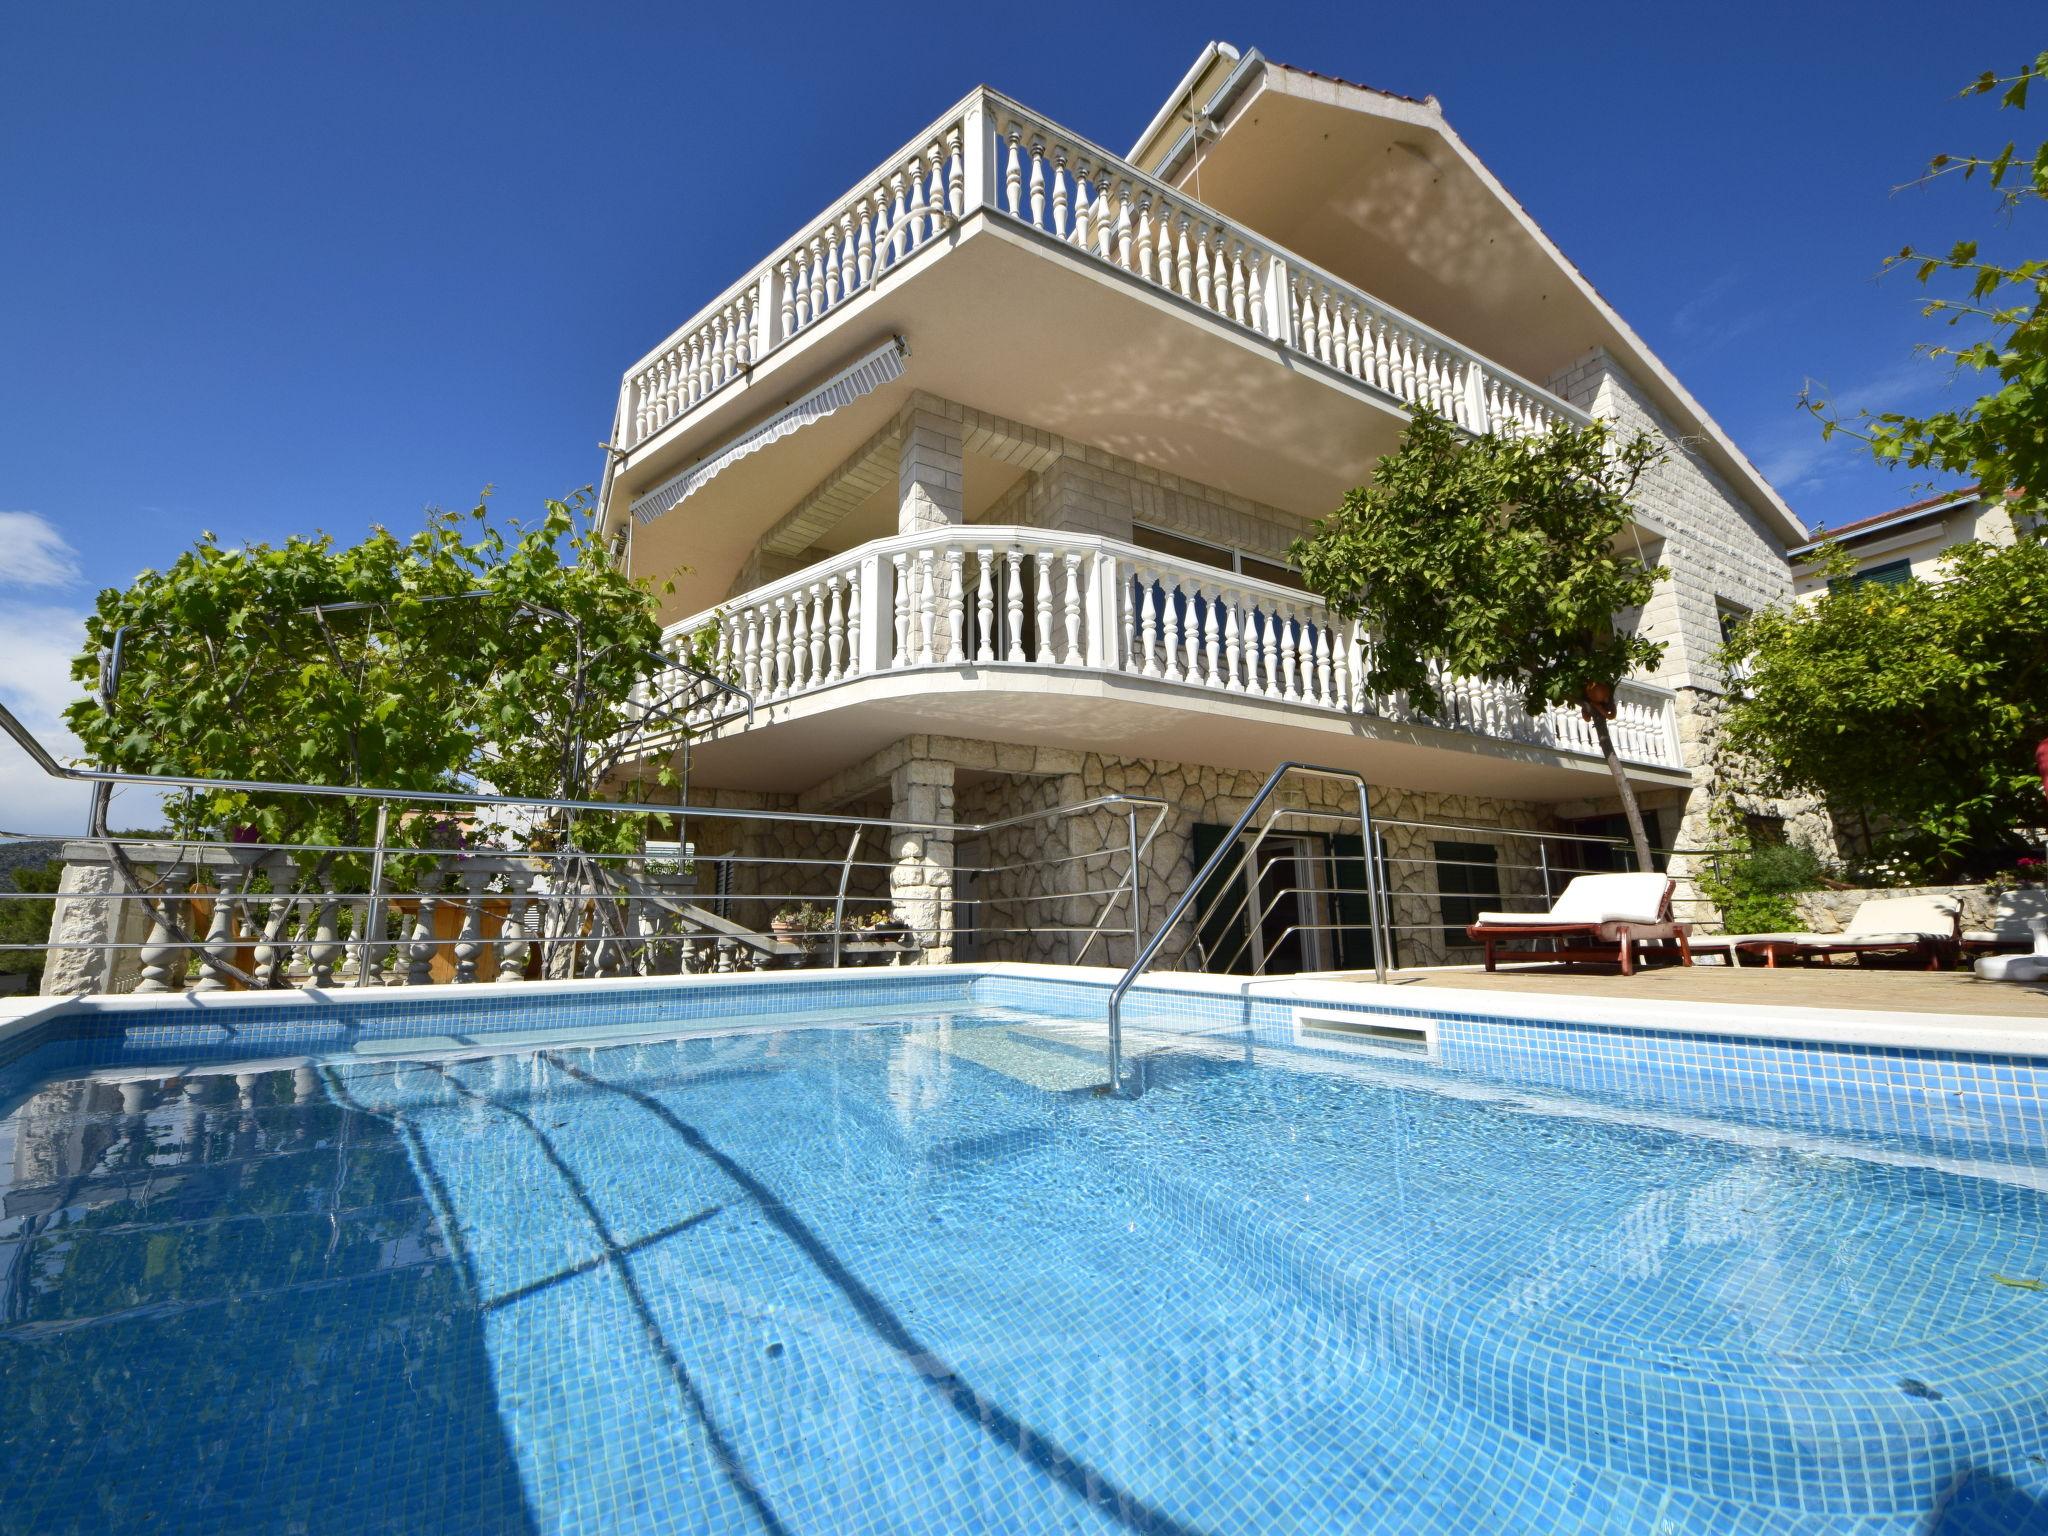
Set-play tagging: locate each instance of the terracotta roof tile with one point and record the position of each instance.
(1912, 506)
(1356, 85)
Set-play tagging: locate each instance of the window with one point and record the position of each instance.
(1730, 616)
(1893, 573)
(1601, 858)
(1310, 897)
(1467, 883)
(1200, 552)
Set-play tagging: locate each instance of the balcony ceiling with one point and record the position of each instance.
(802, 741)
(1386, 204)
(1379, 190)
(1002, 319)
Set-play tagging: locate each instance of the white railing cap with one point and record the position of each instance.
(1000, 106)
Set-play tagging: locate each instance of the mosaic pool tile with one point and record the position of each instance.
(877, 1257)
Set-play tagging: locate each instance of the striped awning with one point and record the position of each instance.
(864, 377)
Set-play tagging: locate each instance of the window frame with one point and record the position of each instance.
(1289, 575)
(1476, 865)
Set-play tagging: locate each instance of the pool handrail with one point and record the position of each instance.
(1224, 849)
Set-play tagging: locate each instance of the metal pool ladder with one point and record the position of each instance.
(1223, 851)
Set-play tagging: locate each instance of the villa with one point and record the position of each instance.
(1907, 543)
(982, 487)
(1011, 1034)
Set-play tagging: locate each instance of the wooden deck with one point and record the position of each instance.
(1836, 986)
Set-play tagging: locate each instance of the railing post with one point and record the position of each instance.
(1105, 641)
(1672, 746)
(369, 965)
(767, 313)
(1279, 302)
(1137, 888)
(877, 603)
(978, 156)
(1475, 396)
(1375, 905)
(839, 902)
(629, 430)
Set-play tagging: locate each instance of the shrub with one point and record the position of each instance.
(27, 922)
(1754, 886)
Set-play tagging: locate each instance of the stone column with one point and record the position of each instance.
(921, 878)
(930, 473)
(80, 918)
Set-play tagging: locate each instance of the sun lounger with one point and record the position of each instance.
(2010, 931)
(1599, 920)
(1922, 928)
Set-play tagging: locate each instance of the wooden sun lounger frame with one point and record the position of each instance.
(1935, 953)
(1598, 951)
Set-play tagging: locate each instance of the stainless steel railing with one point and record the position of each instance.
(1218, 857)
(273, 914)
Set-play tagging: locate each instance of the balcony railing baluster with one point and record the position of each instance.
(1092, 203)
(997, 597)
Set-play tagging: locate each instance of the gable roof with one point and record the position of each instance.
(1923, 510)
(1292, 152)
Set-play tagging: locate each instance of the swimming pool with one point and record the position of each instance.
(837, 1257)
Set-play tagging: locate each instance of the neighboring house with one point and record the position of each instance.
(983, 485)
(1906, 543)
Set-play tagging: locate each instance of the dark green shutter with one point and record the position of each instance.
(1350, 904)
(1219, 903)
(1467, 883)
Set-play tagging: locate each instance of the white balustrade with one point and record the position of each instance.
(908, 202)
(990, 154)
(998, 597)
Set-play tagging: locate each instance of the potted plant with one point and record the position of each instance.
(800, 919)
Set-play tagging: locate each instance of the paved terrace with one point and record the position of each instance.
(1841, 986)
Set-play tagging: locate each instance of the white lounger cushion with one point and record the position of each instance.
(1596, 899)
(1886, 917)
(1899, 920)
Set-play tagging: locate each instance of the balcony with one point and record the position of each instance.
(1005, 633)
(1040, 277)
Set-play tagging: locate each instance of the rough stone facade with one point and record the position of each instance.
(1054, 887)
(1722, 556)
(1085, 490)
(1983, 908)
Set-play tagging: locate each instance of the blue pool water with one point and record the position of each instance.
(900, 1268)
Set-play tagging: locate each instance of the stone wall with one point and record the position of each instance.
(1830, 911)
(1717, 546)
(1048, 890)
(1086, 490)
(1719, 550)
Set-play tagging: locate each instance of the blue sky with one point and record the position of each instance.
(271, 268)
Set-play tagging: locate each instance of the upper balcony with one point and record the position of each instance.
(1034, 274)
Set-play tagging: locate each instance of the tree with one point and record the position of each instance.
(1976, 717)
(1914, 706)
(1505, 557)
(464, 658)
(1999, 440)
(26, 922)
(458, 658)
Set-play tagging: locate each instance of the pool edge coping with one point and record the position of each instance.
(1969, 1034)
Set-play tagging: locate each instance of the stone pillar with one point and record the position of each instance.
(930, 473)
(80, 918)
(921, 878)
